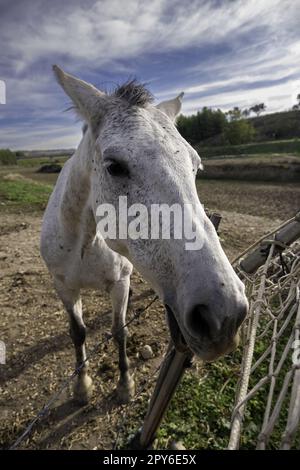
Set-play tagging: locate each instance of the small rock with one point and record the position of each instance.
(3, 256)
(177, 445)
(146, 352)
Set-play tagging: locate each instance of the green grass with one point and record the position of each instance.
(200, 412)
(24, 193)
(37, 162)
(7, 157)
(290, 147)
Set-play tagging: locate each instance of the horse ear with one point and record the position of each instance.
(172, 107)
(88, 100)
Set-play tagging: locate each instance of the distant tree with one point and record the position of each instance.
(205, 124)
(239, 132)
(246, 112)
(258, 108)
(7, 157)
(234, 114)
(213, 126)
(296, 107)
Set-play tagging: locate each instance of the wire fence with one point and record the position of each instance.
(270, 367)
(271, 356)
(45, 410)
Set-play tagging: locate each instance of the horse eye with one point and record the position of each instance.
(117, 169)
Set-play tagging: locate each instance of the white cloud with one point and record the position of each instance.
(113, 29)
(45, 137)
(281, 96)
(238, 69)
(110, 35)
(2, 92)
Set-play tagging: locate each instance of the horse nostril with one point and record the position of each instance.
(242, 314)
(201, 321)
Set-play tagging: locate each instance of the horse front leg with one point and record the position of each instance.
(83, 386)
(119, 296)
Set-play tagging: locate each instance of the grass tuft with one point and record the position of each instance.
(22, 193)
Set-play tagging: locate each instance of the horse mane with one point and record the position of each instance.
(135, 93)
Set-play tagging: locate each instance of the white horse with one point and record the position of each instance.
(131, 147)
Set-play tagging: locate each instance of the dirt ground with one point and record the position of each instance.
(34, 326)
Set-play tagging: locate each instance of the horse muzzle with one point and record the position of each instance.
(201, 344)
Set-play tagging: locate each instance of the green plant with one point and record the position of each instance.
(239, 131)
(7, 157)
(24, 193)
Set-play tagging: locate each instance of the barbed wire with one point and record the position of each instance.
(273, 322)
(47, 407)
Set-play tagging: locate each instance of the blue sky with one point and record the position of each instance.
(221, 53)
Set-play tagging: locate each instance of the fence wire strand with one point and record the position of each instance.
(47, 407)
(271, 355)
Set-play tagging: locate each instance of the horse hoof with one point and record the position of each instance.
(83, 390)
(125, 391)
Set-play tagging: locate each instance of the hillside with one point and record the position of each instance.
(210, 128)
(284, 125)
(286, 147)
(283, 169)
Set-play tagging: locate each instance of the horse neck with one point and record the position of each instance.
(76, 193)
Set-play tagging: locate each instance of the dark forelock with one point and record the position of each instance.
(134, 93)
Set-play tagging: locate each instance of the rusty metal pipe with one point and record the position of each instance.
(171, 372)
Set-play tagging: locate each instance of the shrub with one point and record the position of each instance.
(239, 132)
(7, 157)
(206, 124)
